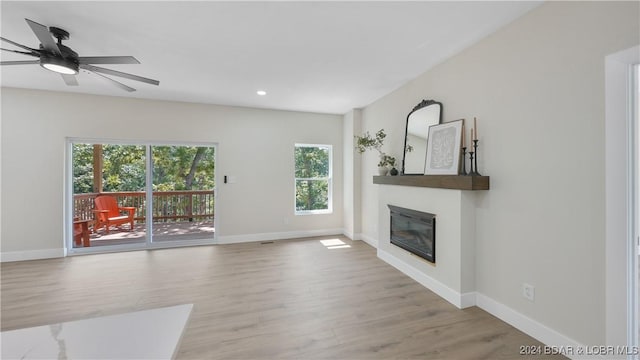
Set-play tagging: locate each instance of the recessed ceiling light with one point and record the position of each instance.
(261, 92)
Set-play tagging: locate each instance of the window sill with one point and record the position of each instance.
(314, 212)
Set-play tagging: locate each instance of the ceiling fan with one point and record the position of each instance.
(61, 59)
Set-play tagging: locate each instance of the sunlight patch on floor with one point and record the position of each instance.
(334, 244)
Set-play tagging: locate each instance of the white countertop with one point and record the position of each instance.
(148, 334)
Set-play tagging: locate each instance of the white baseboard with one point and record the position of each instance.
(31, 255)
(234, 239)
(468, 300)
(540, 332)
(369, 240)
(352, 236)
(459, 300)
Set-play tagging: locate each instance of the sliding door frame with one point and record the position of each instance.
(621, 262)
(68, 210)
(633, 276)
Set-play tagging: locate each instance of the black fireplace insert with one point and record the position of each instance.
(414, 231)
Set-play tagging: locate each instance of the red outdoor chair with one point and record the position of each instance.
(108, 213)
(81, 232)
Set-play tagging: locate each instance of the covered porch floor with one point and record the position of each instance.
(173, 231)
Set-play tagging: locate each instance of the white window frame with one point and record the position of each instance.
(329, 179)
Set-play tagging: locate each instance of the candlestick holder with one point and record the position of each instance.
(475, 162)
(464, 161)
(471, 162)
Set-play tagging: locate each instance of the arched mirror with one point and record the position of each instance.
(423, 115)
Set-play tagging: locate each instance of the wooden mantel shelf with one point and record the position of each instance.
(458, 182)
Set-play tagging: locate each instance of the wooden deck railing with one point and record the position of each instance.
(187, 205)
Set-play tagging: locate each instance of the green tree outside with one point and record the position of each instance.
(174, 168)
(312, 177)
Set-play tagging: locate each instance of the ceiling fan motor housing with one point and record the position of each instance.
(68, 59)
(59, 34)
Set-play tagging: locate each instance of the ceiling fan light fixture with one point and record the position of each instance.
(59, 65)
(63, 60)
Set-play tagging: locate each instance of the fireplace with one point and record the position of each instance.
(414, 231)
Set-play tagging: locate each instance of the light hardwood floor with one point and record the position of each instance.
(288, 299)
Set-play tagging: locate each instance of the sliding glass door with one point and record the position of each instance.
(117, 187)
(109, 182)
(183, 192)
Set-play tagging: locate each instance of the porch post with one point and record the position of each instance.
(97, 168)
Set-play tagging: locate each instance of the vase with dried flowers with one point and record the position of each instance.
(368, 142)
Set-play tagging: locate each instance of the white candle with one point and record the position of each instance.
(475, 127)
(464, 144)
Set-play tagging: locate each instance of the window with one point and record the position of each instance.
(313, 179)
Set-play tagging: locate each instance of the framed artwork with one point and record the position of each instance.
(443, 148)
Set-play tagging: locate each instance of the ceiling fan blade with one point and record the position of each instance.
(70, 80)
(20, 52)
(116, 83)
(108, 60)
(118, 73)
(43, 34)
(21, 62)
(19, 45)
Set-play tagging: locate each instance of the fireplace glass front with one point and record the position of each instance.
(414, 231)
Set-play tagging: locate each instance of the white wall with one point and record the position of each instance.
(352, 122)
(255, 146)
(537, 89)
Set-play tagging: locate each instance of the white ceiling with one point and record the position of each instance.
(326, 57)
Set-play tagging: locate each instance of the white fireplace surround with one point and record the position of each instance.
(453, 275)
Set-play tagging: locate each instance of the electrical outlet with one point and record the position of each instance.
(528, 292)
(286, 220)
